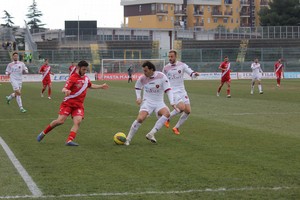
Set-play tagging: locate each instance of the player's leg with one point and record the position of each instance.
(43, 89)
(15, 87)
(228, 89)
(220, 87)
(260, 87)
(179, 104)
(278, 75)
(184, 116)
(73, 132)
(59, 121)
(136, 125)
(49, 90)
(19, 99)
(252, 85)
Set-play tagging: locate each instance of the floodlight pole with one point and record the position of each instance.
(78, 39)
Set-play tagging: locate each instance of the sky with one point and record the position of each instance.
(107, 13)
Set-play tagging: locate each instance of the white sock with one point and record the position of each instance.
(182, 119)
(19, 101)
(159, 123)
(252, 88)
(259, 88)
(11, 96)
(173, 113)
(133, 129)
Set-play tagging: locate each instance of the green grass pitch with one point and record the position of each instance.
(246, 147)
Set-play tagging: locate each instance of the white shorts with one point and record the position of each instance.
(16, 85)
(256, 77)
(181, 97)
(150, 108)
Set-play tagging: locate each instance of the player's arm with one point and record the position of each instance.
(221, 67)
(8, 70)
(138, 91)
(103, 86)
(67, 88)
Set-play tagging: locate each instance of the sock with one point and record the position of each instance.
(182, 119)
(11, 96)
(49, 92)
(72, 136)
(219, 89)
(173, 113)
(159, 123)
(252, 88)
(228, 91)
(133, 129)
(19, 101)
(43, 90)
(48, 129)
(259, 88)
(278, 81)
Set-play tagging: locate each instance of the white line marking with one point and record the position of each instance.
(36, 192)
(156, 192)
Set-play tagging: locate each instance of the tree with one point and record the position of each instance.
(281, 13)
(34, 15)
(7, 18)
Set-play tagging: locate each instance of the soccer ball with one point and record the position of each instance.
(120, 138)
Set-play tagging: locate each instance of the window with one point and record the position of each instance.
(140, 8)
(208, 20)
(215, 20)
(140, 19)
(225, 20)
(153, 7)
(208, 8)
(231, 20)
(160, 18)
(237, 21)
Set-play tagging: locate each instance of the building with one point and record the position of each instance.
(192, 14)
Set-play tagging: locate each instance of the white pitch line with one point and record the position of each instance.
(156, 192)
(36, 192)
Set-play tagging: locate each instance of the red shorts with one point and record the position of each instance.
(69, 110)
(278, 74)
(46, 82)
(225, 80)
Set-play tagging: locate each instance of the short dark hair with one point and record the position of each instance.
(173, 51)
(149, 64)
(15, 53)
(83, 63)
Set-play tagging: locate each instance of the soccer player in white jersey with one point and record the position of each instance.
(15, 70)
(175, 72)
(154, 84)
(256, 75)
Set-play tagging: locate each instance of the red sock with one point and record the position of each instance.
(49, 92)
(43, 90)
(72, 136)
(228, 91)
(48, 129)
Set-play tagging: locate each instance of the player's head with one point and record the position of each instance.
(172, 56)
(148, 68)
(226, 58)
(256, 60)
(15, 56)
(46, 61)
(82, 67)
(279, 60)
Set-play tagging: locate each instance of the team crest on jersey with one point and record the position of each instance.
(157, 86)
(179, 71)
(79, 85)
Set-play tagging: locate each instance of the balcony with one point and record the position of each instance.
(198, 13)
(159, 12)
(198, 24)
(244, 14)
(179, 12)
(227, 13)
(245, 25)
(245, 3)
(216, 13)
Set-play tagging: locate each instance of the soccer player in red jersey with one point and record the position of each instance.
(45, 70)
(75, 91)
(278, 69)
(72, 68)
(225, 77)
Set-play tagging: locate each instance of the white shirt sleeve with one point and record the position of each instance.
(138, 88)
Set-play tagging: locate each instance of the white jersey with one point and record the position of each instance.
(256, 69)
(153, 87)
(15, 70)
(175, 73)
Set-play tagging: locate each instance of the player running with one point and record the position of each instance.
(225, 76)
(154, 84)
(45, 70)
(175, 70)
(15, 70)
(75, 91)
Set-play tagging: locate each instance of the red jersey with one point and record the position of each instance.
(72, 69)
(278, 67)
(46, 71)
(225, 67)
(78, 86)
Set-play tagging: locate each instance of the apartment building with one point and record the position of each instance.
(192, 14)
